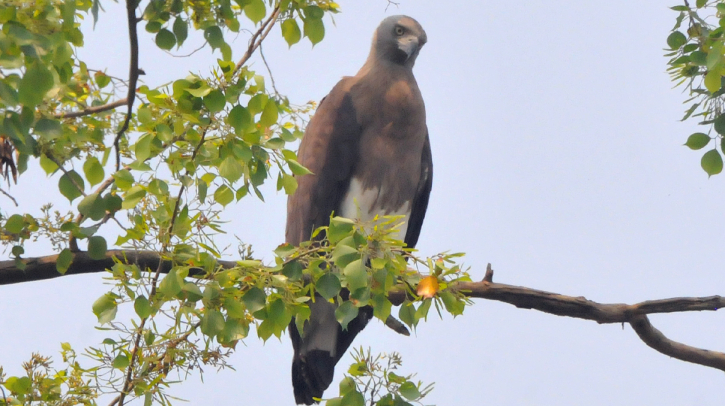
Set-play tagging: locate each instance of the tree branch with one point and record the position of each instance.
(133, 73)
(257, 38)
(561, 305)
(42, 268)
(656, 340)
(92, 110)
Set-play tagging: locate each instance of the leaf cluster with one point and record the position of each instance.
(372, 380)
(697, 61)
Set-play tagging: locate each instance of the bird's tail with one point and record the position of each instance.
(312, 373)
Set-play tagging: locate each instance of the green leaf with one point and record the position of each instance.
(356, 275)
(192, 291)
(142, 307)
(223, 195)
(123, 179)
(8, 95)
(289, 183)
(293, 270)
(344, 254)
(102, 80)
(20, 386)
(214, 37)
(255, 10)
(352, 398)
(121, 362)
(92, 206)
(234, 330)
(215, 101)
(235, 309)
(165, 39)
(112, 203)
(171, 285)
(712, 162)
(97, 247)
(93, 170)
(269, 115)
(105, 308)
(231, 169)
(296, 168)
(47, 165)
(714, 56)
(328, 285)
(700, 3)
(278, 315)
(212, 323)
(254, 299)
(698, 141)
(381, 306)
(133, 196)
(712, 81)
(345, 313)
(314, 30)
(15, 224)
(70, 185)
(48, 129)
(339, 228)
(181, 30)
(407, 314)
(676, 40)
(65, 259)
(699, 58)
(36, 82)
(348, 384)
(142, 148)
(409, 390)
(153, 26)
(719, 124)
(291, 31)
(239, 118)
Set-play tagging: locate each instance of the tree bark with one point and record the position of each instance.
(41, 268)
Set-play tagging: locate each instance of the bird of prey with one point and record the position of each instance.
(368, 149)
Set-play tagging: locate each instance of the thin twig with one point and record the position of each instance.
(9, 197)
(132, 77)
(92, 110)
(190, 54)
(271, 77)
(257, 39)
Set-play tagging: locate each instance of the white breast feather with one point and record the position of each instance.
(362, 204)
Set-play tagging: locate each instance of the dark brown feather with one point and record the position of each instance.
(371, 128)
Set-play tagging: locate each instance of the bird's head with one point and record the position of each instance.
(398, 39)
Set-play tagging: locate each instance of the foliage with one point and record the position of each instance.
(697, 61)
(164, 173)
(372, 380)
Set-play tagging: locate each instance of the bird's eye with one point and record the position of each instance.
(399, 30)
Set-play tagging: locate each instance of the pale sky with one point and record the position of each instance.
(558, 158)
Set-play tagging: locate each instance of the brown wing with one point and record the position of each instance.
(420, 202)
(329, 149)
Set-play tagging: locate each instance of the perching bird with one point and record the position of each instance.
(368, 149)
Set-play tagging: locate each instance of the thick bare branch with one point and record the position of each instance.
(41, 268)
(527, 298)
(656, 340)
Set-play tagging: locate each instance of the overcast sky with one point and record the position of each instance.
(558, 158)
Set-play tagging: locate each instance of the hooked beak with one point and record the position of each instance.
(409, 45)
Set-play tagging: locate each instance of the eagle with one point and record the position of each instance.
(368, 149)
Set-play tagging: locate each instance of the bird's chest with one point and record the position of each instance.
(386, 176)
